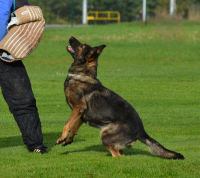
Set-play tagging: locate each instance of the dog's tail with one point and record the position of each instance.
(158, 149)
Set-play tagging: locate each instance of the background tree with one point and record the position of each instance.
(60, 11)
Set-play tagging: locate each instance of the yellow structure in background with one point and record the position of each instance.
(103, 15)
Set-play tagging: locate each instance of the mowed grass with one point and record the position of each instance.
(156, 68)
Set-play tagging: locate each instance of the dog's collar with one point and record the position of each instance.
(78, 75)
(71, 75)
(83, 78)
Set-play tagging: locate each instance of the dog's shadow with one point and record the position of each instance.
(50, 139)
(101, 148)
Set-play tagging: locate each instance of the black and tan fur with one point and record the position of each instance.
(100, 107)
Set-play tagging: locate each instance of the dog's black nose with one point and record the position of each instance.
(72, 38)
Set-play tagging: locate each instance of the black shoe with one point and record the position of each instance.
(40, 149)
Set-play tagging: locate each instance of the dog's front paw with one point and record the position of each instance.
(60, 140)
(68, 141)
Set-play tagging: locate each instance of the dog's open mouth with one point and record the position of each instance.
(70, 49)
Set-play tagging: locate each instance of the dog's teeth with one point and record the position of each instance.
(70, 49)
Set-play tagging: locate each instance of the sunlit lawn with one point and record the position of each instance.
(156, 68)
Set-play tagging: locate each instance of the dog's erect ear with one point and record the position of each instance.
(92, 52)
(100, 49)
(96, 50)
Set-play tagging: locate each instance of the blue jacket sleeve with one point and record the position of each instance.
(5, 7)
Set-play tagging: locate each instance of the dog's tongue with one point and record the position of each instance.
(70, 49)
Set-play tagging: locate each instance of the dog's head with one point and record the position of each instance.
(85, 57)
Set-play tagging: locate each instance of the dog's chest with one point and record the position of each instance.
(73, 91)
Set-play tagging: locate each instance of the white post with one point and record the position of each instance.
(144, 9)
(84, 18)
(172, 7)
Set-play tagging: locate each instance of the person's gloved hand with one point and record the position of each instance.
(13, 21)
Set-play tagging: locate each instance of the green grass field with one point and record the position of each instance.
(156, 68)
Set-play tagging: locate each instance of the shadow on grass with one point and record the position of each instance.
(11, 141)
(101, 148)
(49, 140)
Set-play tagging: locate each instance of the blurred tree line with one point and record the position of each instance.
(60, 11)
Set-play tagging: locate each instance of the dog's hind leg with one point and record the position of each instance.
(112, 147)
(73, 132)
(121, 152)
(113, 151)
(111, 139)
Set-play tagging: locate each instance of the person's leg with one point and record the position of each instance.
(17, 92)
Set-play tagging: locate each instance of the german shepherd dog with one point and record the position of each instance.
(100, 107)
